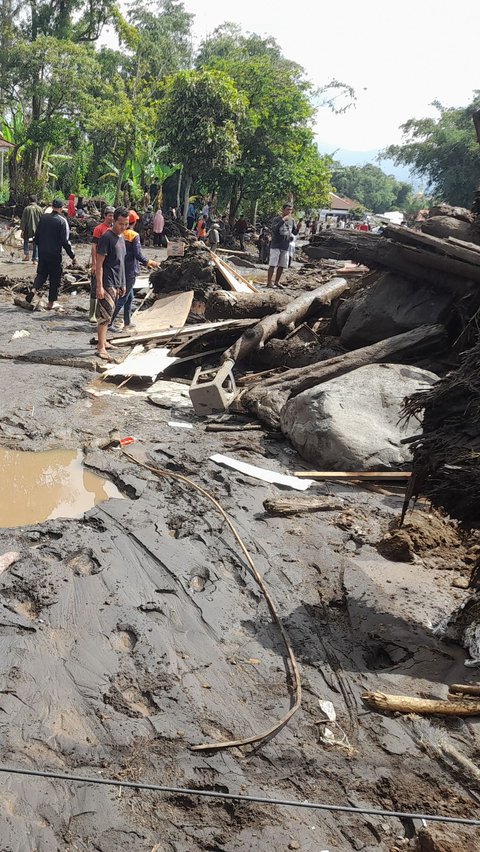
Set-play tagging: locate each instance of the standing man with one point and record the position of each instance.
(133, 258)
(110, 272)
(98, 232)
(51, 236)
(283, 228)
(28, 225)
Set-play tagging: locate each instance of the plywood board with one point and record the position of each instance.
(167, 312)
(147, 364)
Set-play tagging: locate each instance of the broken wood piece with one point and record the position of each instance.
(266, 399)
(296, 505)
(422, 706)
(223, 304)
(465, 689)
(233, 279)
(188, 330)
(229, 427)
(170, 311)
(344, 474)
(292, 314)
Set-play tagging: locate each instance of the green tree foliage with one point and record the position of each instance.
(369, 185)
(277, 153)
(443, 150)
(199, 116)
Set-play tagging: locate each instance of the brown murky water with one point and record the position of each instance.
(36, 487)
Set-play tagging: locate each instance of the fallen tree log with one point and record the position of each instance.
(298, 310)
(223, 304)
(417, 260)
(267, 399)
(422, 706)
(295, 505)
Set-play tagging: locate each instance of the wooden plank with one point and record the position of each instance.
(169, 311)
(463, 244)
(438, 244)
(194, 330)
(237, 282)
(343, 474)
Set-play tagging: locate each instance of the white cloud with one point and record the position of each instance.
(398, 56)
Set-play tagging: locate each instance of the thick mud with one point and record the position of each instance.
(135, 632)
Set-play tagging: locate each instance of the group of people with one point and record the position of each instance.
(116, 256)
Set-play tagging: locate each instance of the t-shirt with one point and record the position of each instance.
(281, 233)
(112, 246)
(99, 231)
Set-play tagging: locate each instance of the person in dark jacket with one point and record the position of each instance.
(133, 258)
(283, 228)
(51, 237)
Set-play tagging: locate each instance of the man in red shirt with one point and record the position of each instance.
(98, 232)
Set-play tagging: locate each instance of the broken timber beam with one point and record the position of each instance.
(302, 307)
(423, 706)
(266, 399)
(417, 259)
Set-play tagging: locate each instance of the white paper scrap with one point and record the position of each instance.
(263, 473)
(180, 424)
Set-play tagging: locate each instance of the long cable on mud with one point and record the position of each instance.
(256, 738)
(236, 797)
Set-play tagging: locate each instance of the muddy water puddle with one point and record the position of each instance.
(37, 487)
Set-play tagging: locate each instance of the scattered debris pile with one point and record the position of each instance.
(194, 271)
(446, 456)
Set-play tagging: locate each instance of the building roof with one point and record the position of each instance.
(339, 203)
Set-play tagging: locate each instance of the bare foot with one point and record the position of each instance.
(109, 346)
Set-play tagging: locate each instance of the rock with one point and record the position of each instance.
(391, 306)
(447, 226)
(351, 422)
(455, 212)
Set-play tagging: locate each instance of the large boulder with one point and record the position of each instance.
(352, 422)
(447, 226)
(391, 306)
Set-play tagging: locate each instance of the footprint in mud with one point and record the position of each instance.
(83, 563)
(131, 701)
(123, 639)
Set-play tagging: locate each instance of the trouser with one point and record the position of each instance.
(190, 221)
(49, 268)
(126, 303)
(157, 239)
(26, 248)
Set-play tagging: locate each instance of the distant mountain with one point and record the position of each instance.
(361, 158)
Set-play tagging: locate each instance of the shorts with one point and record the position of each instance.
(278, 257)
(106, 306)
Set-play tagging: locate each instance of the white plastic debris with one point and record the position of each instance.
(328, 710)
(21, 333)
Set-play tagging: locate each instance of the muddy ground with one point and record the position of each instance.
(134, 632)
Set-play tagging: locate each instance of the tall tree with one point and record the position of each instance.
(276, 142)
(198, 119)
(444, 151)
(371, 187)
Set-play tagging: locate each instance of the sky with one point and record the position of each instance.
(398, 56)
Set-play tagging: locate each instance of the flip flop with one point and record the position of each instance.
(104, 357)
